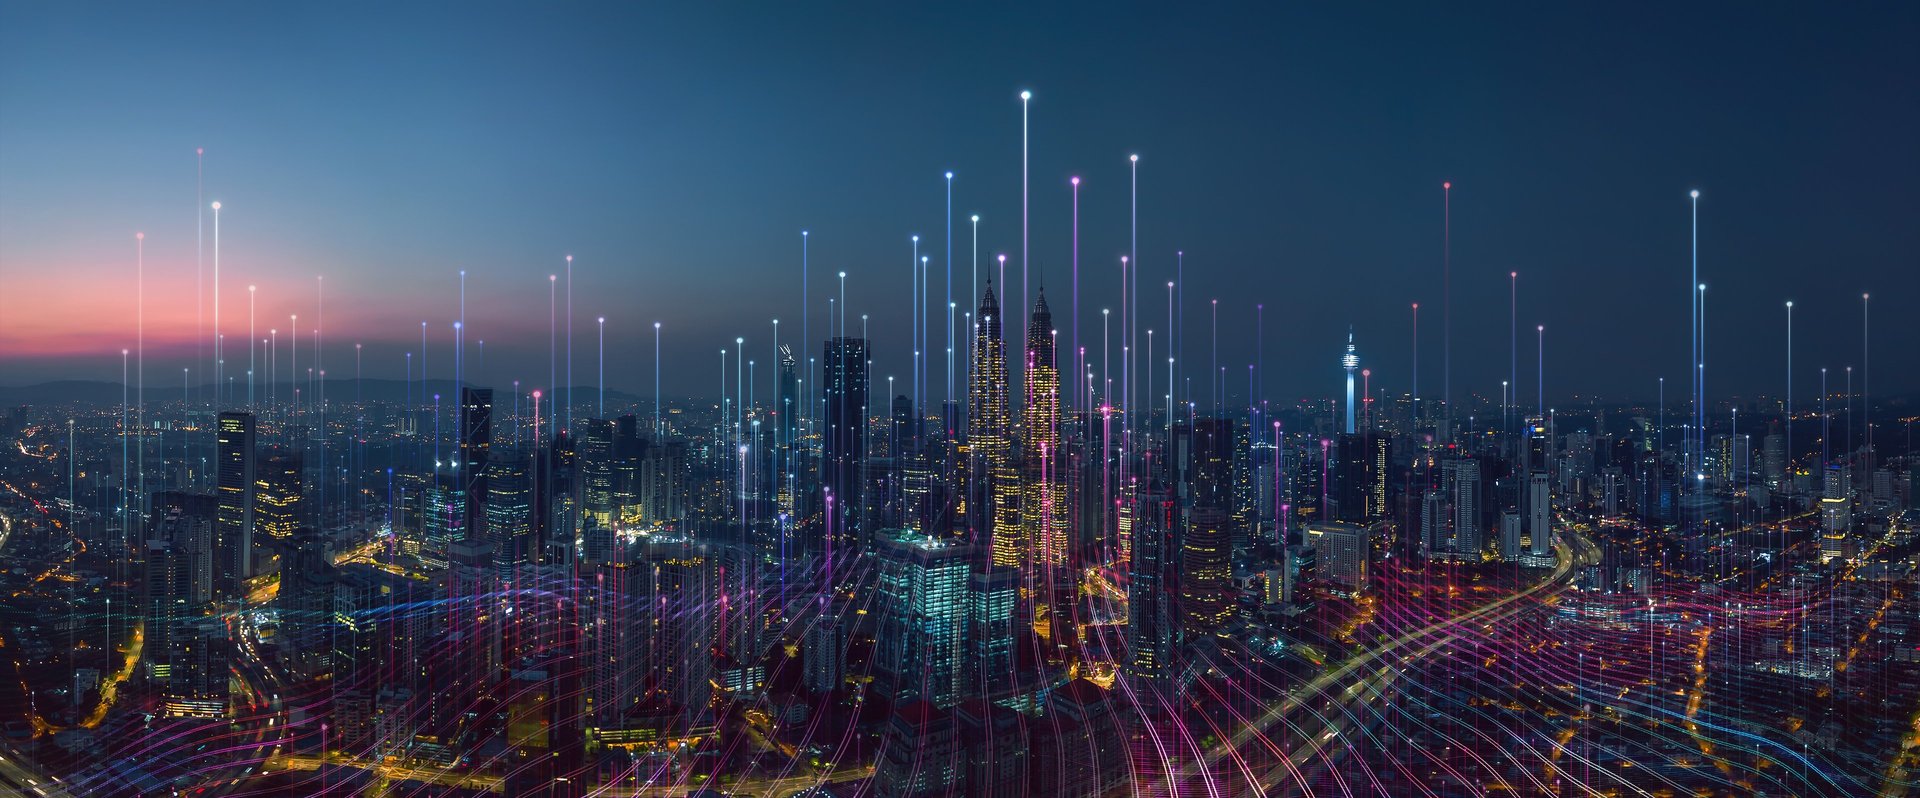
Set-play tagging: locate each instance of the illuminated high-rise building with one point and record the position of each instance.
(1343, 553)
(510, 505)
(993, 499)
(787, 430)
(1361, 462)
(1539, 515)
(277, 505)
(596, 474)
(189, 522)
(1206, 537)
(234, 485)
(1462, 480)
(923, 605)
(1149, 617)
(476, 435)
(844, 452)
(992, 596)
(1043, 500)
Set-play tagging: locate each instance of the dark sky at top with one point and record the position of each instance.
(1296, 156)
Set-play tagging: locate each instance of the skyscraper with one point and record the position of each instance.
(1043, 499)
(1359, 475)
(824, 643)
(1539, 515)
(476, 435)
(1343, 551)
(993, 496)
(510, 505)
(923, 598)
(786, 444)
(233, 535)
(596, 473)
(277, 508)
(188, 522)
(992, 593)
(845, 449)
(1149, 622)
(1206, 536)
(1463, 492)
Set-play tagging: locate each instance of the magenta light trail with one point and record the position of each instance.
(570, 388)
(1075, 181)
(553, 336)
(199, 264)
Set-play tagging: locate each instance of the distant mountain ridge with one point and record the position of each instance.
(376, 390)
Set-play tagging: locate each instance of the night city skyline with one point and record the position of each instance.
(934, 401)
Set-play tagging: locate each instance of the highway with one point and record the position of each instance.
(17, 779)
(1576, 551)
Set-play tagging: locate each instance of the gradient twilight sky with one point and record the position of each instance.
(1295, 156)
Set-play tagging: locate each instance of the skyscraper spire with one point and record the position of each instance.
(994, 487)
(1040, 417)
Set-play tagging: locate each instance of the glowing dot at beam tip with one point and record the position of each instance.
(1694, 193)
(1076, 181)
(949, 175)
(1026, 95)
(603, 320)
(139, 236)
(843, 274)
(552, 277)
(216, 205)
(976, 217)
(1447, 185)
